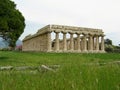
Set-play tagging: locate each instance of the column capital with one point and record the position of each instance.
(64, 32)
(102, 35)
(85, 35)
(57, 31)
(91, 35)
(97, 35)
(78, 33)
(71, 33)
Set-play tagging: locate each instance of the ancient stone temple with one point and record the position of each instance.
(86, 40)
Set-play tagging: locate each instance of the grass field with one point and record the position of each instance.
(76, 71)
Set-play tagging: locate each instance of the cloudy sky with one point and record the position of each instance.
(102, 14)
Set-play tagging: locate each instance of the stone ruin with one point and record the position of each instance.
(87, 40)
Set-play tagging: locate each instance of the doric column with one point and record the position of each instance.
(102, 43)
(88, 43)
(57, 41)
(64, 41)
(78, 42)
(84, 43)
(91, 43)
(97, 43)
(49, 41)
(71, 41)
(81, 43)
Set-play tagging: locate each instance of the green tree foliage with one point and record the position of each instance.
(108, 41)
(12, 22)
(109, 48)
(108, 45)
(117, 49)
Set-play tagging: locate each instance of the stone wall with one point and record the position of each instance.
(38, 43)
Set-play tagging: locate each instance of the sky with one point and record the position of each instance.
(101, 14)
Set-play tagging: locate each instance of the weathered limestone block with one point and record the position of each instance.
(6, 68)
(38, 43)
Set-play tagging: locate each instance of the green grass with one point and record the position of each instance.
(76, 71)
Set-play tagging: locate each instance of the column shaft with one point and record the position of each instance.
(88, 44)
(71, 41)
(91, 43)
(102, 43)
(78, 42)
(84, 43)
(57, 41)
(97, 43)
(49, 41)
(64, 42)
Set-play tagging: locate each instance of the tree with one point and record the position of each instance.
(109, 48)
(108, 41)
(108, 45)
(12, 22)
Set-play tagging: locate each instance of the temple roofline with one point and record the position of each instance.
(64, 28)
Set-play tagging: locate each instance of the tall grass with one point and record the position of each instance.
(76, 71)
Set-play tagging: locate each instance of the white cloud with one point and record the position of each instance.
(102, 14)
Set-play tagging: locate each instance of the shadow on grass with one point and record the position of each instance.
(3, 58)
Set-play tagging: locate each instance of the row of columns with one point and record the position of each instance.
(91, 42)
